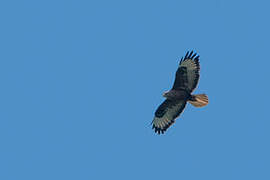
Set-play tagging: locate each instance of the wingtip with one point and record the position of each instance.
(190, 55)
(186, 56)
(181, 60)
(194, 55)
(159, 130)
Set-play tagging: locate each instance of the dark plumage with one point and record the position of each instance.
(186, 80)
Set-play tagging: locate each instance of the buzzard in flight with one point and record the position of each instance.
(186, 80)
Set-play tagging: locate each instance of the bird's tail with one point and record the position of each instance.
(198, 100)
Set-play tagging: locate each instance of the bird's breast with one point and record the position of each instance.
(180, 94)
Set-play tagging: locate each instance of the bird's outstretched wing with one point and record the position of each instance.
(188, 73)
(166, 114)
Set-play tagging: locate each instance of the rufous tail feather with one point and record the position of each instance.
(199, 100)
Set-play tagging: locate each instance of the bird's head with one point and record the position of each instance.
(166, 94)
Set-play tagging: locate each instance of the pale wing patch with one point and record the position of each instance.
(193, 68)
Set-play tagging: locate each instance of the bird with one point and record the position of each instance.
(186, 80)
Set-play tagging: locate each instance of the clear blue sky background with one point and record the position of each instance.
(81, 80)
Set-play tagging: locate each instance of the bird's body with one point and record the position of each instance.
(176, 94)
(186, 80)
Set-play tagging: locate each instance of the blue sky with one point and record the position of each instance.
(81, 80)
